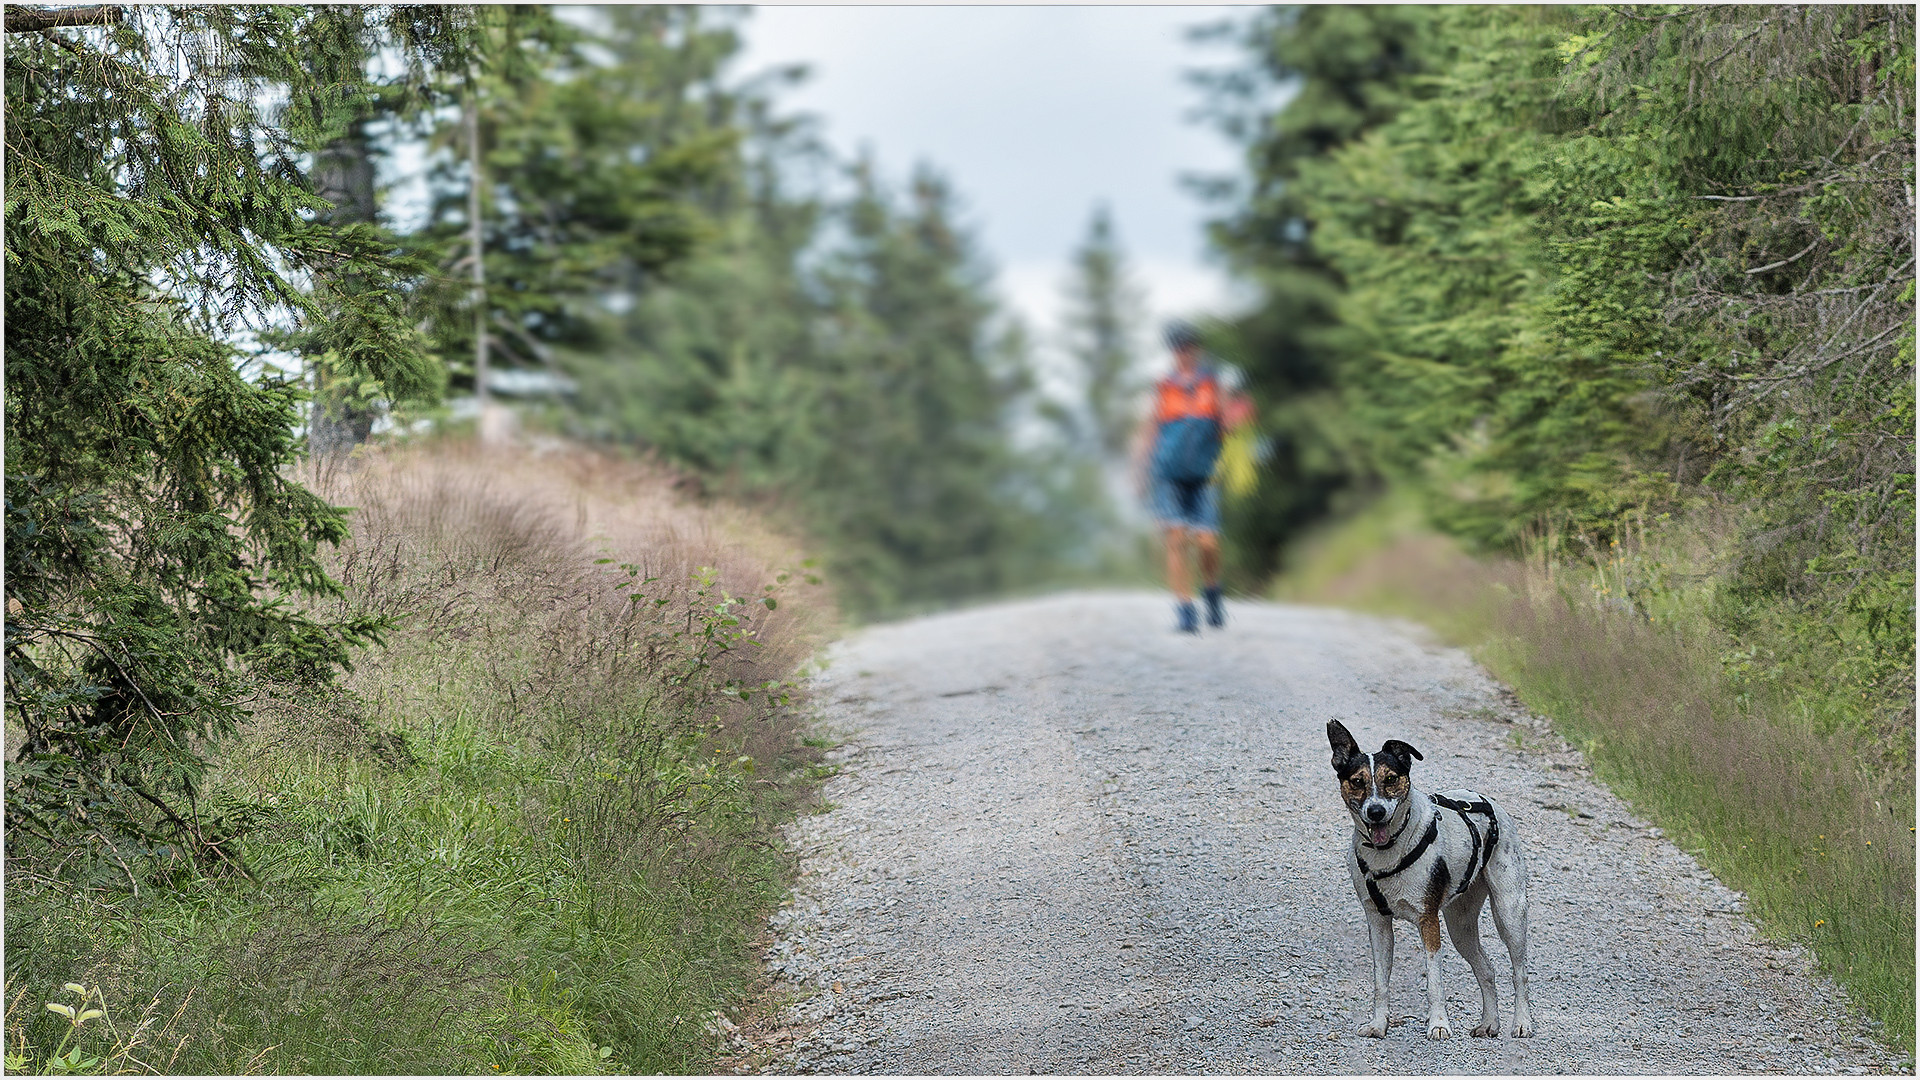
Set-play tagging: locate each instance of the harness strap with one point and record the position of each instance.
(1473, 860)
(1379, 902)
(1481, 806)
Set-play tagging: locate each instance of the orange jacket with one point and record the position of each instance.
(1177, 402)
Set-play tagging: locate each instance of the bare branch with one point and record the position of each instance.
(23, 19)
(1785, 261)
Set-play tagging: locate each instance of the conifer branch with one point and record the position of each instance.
(23, 19)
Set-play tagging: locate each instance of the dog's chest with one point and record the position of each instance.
(1403, 893)
(1441, 855)
(1402, 906)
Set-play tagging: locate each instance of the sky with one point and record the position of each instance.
(1035, 115)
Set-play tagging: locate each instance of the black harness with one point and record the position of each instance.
(1481, 850)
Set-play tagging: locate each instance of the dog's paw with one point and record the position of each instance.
(1487, 1031)
(1522, 1027)
(1439, 1031)
(1375, 1030)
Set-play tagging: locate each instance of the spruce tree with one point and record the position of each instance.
(1351, 68)
(1102, 322)
(593, 160)
(156, 541)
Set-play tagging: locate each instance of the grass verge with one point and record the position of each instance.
(1751, 777)
(535, 832)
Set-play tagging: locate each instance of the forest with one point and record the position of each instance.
(1623, 296)
(1575, 273)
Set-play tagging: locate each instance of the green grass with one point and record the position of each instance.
(1755, 777)
(537, 832)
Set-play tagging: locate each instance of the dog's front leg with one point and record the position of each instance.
(1436, 993)
(1380, 937)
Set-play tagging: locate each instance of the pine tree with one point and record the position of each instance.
(593, 161)
(156, 540)
(1351, 69)
(1102, 322)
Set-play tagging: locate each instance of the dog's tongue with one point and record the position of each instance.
(1379, 835)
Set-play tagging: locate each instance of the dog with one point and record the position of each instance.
(1424, 858)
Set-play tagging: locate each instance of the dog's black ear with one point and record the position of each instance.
(1403, 751)
(1344, 746)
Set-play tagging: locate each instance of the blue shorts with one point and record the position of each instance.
(1187, 506)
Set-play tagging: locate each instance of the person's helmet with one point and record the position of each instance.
(1181, 333)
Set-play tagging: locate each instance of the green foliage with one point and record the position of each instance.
(155, 536)
(1350, 69)
(1102, 321)
(836, 357)
(594, 166)
(904, 428)
(1572, 267)
(534, 833)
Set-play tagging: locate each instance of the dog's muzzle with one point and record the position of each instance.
(1376, 813)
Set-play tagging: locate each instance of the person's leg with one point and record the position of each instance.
(1206, 535)
(1209, 544)
(1177, 564)
(1176, 506)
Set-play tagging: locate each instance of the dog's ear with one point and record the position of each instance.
(1344, 746)
(1404, 751)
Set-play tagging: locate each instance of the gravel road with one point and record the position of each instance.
(1067, 840)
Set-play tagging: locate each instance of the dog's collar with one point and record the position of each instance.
(1391, 840)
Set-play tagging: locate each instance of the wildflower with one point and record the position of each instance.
(77, 988)
(63, 1010)
(1818, 923)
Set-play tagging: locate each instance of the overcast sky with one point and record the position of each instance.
(1035, 115)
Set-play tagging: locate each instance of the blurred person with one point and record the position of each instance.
(1175, 450)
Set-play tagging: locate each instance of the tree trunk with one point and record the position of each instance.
(343, 175)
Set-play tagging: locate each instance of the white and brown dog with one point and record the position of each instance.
(1422, 858)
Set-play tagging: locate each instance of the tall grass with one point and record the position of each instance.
(1753, 777)
(533, 832)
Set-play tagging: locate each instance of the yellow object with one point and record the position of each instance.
(1236, 469)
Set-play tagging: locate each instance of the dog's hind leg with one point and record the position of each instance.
(1380, 939)
(1463, 926)
(1510, 918)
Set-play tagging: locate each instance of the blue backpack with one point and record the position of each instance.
(1187, 449)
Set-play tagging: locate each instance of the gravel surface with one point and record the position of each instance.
(1068, 840)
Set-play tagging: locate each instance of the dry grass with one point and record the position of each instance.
(1802, 817)
(535, 831)
(581, 601)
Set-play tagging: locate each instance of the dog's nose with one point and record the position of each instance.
(1376, 813)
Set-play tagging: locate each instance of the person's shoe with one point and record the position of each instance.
(1216, 617)
(1189, 621)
